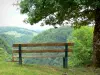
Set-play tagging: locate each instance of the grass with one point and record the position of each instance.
(9, 68)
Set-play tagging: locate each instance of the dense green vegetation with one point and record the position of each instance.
(4, 45)
(3, 55)
(82, 51)
(57, 11)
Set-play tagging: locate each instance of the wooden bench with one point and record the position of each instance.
(20, 51)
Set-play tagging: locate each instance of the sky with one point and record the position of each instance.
(10, 16)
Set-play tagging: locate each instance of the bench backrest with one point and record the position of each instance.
(20, 50)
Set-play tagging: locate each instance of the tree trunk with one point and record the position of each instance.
(96, 39)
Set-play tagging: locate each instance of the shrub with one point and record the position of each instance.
(82, 51)
(3, 54)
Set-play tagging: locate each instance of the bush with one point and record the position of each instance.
(3, 54)
(82, 51)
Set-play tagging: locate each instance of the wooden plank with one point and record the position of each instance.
(40, 56)
(41, 51)
(16, 56)
(43, 44)
(70, 44)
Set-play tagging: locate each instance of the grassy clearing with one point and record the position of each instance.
(15, 69)
(9, 68)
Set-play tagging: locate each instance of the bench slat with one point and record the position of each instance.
(40, 51)
(43, 44)
(39, 56)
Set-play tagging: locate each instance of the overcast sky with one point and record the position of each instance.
(10, 16)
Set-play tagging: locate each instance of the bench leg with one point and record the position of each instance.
(65, 62)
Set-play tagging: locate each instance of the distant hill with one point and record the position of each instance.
(16, 35)
(52, 35)
(15, 30)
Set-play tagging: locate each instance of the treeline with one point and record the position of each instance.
(53, 35)
(16, 29)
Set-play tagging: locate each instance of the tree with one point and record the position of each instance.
(53, 12)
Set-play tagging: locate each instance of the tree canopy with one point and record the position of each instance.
(57, 11)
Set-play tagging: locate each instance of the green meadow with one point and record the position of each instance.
(10, 68)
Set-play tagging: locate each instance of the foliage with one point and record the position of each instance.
(4, 45)
(82, 51)
(56, 11)
(3, 54)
